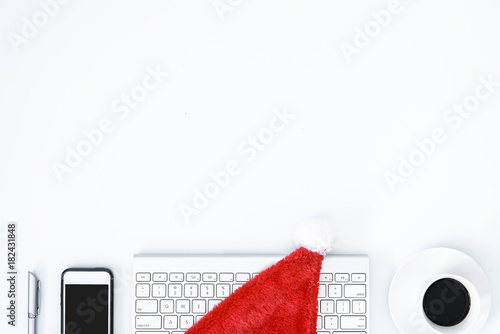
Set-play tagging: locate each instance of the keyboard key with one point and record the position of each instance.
(193, 277)
(242, 277)
(175, 290)
(146, 306)
(186, 321)
(355, 291)
(223, 290)
(176, 277)
(148, 322)
(236, 286)
(352, 322)
(209, 277)
(335, 291)
(142, 290)
(322, 291)
(199, 306)
(170, 321)
(341, 277)
(160, 277)
(331, 322)
(182, 306)
(326, 306)
(359, 306)
(359, 277)
(343, 306)
(159, 290)
(319, 322)
(226, 277)
(207, 290)
(166, 306)
(212, 303)
(191, 290)
(325, 277)
(143, 277)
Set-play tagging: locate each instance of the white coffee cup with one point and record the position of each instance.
(414, 278)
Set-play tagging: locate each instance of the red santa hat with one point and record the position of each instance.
(281, 299)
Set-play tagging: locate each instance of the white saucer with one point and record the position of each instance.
(417, 274)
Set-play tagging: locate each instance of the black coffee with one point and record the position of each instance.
(446, 302)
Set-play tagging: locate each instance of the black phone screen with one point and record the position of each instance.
(86, 309)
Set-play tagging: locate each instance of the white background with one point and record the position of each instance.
(352, 122)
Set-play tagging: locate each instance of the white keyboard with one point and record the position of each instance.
(171, 293)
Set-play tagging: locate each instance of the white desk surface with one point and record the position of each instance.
(352, 122)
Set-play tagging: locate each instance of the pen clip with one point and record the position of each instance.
(33, 296)
(38, 301)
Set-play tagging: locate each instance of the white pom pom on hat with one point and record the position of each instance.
(315, 235)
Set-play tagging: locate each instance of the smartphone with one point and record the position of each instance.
(87, 301)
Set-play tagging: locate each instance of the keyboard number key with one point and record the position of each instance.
(207, 290)
(142, 290)
(236, 286)
(174, 290)
(191, 290)
(159, 290)
(223, 290)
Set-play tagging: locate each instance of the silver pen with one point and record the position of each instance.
(33, 301)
